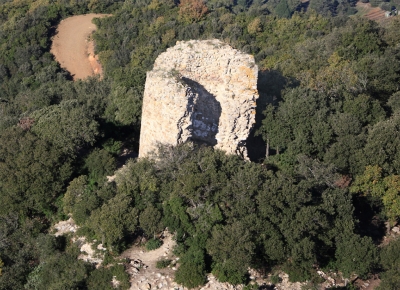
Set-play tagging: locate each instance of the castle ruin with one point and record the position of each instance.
(200, 91)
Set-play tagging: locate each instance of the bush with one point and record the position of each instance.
(192, 271)
(149, 220)
(227, 273)
(309, 286)
(100, 163)
(191, 275)
(112, 146)
(275, 279)
(100, 279)
(296, 273)
(153, 244)
(163, 264)
(251, 287)
(390, 261)
(348, 287)
(120, 274)
(62, 270)
(86, 232)
(356, 254)
(108, 258)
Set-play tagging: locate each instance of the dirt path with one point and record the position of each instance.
(143, 271)
(72, 49)
(372, 13)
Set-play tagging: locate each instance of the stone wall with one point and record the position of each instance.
(203, 91)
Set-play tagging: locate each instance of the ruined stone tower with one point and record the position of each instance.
(203, 91)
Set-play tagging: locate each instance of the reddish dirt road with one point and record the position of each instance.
(372, 13)
(73, 50)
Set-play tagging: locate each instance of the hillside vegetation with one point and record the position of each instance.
(318, 196)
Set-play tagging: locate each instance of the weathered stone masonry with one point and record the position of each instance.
(204, 91)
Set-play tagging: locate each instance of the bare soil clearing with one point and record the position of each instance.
(72, 48)
(146, 275)
(372, 13)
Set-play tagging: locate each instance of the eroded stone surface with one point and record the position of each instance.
(204, 91)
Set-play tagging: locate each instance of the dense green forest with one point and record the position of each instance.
(325, 176)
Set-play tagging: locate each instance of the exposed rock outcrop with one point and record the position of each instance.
(203, 91)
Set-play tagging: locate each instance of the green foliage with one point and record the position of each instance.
(126, 104)
(139, 181)
(390, 261)
(92, 95)
(356, 254)
(32, 172)
(231, 248)
(297, 274)
(112, 146)
(100, 279)
(163, 263)
(382, 146)
(362, 39)
(80, 200)
(366, 109)
(47, 245)
(17, 249)
(113, 220)
(251, 287)
(372, 183)
(226, 273)
(191, 272)
(291, 128)
(275, 279)
(282, 9)
(121, 275)
(153, 244)
(100, 163)
(149, 220)
(390, 280)
(331, 88)
(348, 287)
(390, 255)
(67, 126)
(60, 271)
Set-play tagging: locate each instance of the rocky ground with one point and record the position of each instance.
(144, 275)
(65, 227)
(142, 266)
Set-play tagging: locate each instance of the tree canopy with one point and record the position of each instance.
(318, 194)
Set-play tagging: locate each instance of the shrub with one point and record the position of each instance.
(275, 279)
(112, 146)
(227, 273)
(296, 273)
(108, 258)
(192, 271)
(100, 163)
(191, 274)
(153, 244)
(251, 287)
(192, 10)
(120, 274)
(390, 260)
(163, 263)
(100, 279)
